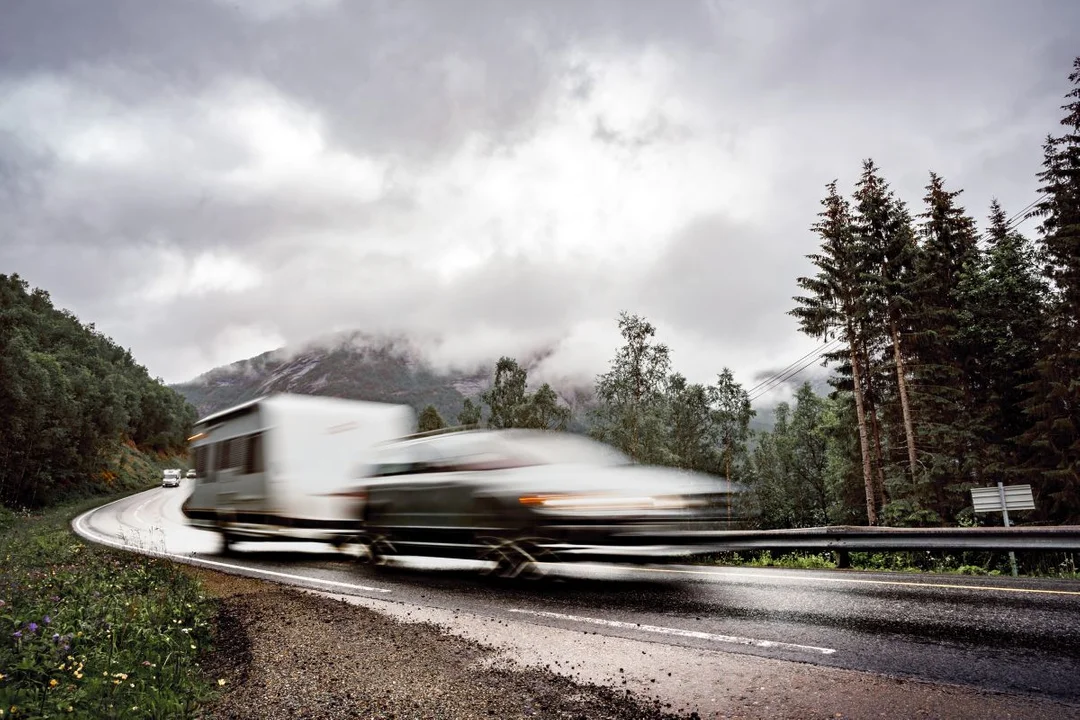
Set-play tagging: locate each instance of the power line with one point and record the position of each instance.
(816, 351)
(779, 379)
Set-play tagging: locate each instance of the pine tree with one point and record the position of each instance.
(835, 307)
(948, 253)
(883, 229)
(1002, 320)
(1055, 406)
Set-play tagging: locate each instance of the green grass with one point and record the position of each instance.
(1054, 565)
(94, 633)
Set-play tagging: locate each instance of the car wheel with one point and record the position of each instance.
(520, 558)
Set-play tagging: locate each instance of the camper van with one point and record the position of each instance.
(281, 467)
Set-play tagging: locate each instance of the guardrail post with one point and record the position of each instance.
(843, 559)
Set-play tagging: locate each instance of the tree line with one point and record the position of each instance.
(958, 352)
(69, 397)
(640, 406)
(955, 356)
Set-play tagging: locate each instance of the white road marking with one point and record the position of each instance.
(733, 639)
(80, 526)
(142, 505)
(769, 575)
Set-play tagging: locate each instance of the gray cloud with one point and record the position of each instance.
(207, 179)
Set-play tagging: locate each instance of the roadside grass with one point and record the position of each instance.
(1058, 565)
(90, 632)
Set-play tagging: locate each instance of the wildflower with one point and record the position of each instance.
(54, 682)
(1, 678)
(55, 637)
(32, 627)
(46, 620)
(17, 634)
(221, 681)
(78, 675)
(146, 663)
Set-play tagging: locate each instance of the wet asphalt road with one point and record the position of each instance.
(1019, 636)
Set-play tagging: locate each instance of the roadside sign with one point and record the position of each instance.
(1009, 497)
(1002, 499)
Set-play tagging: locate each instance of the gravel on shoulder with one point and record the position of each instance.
(287, 653)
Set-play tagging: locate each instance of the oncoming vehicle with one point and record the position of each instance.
(171, 478)
(190, 474)
(520, 497)
(280, 467)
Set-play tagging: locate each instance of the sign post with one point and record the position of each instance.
(1002, 499)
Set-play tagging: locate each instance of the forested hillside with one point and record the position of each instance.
(74, 406)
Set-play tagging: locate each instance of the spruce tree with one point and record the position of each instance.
(883, 230)
(948, 253)
(835, 307)
(1002, 320)
(1055, 405)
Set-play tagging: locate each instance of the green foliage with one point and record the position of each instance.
(429, 420)
(68, 397)
(1055, 393)
(470, 414)
(510, 405)
(93, 633)
(632, 396)
(789, 478)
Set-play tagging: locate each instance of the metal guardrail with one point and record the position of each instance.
(846, 537)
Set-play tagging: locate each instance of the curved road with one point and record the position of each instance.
(997, 634)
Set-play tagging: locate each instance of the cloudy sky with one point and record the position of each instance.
(208, 180)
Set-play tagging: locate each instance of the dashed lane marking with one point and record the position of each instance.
(679, 632)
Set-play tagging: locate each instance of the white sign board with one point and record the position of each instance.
(988, 499)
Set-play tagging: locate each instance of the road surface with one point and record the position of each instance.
(992, 634)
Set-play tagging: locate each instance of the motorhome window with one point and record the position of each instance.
(237, 452)
(201, 458)
(254, 460)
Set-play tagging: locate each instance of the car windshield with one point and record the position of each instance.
(549, 448)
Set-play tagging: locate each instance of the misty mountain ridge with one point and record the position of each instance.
(399, 369)
(357, 366)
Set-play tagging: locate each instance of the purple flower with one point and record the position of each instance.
(17, 634)
(47, 620)
(55, 637)
(32, 627)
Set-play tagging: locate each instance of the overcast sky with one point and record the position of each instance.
(208, 180)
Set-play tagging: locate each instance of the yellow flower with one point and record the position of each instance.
(221, 681)
(78, 676)
(54, 682)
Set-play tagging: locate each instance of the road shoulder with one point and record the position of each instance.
(313, 654)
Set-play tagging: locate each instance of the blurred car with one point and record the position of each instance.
(171, 478)
(190, 474)
(522, 497)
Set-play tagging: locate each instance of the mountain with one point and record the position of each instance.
(350, 365)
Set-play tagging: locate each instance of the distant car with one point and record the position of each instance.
(190, 474)
(171, 478)
(520, 497)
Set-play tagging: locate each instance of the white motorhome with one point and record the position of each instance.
(282, 467)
